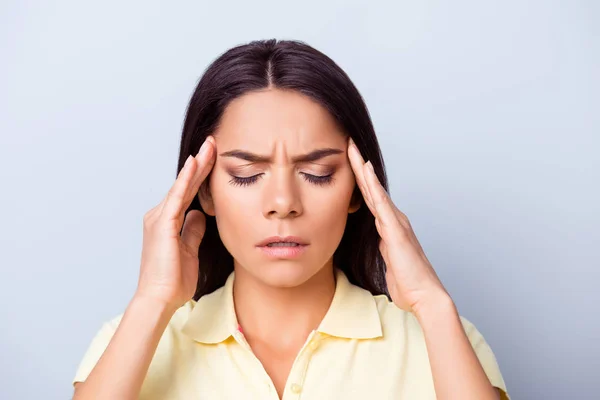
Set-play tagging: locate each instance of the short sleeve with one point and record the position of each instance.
(486, 357)
(95, 350)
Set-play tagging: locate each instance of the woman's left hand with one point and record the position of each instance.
(411, 279)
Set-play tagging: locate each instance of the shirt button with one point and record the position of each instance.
(313, 345)
(296, 388)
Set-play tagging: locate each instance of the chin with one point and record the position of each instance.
(284, 274)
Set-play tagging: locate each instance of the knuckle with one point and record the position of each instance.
(403, 234)
(168, 225)
(149, 218)
(152, 216)
(148, 215)
(404, 221)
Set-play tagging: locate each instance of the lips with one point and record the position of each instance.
(283, 240)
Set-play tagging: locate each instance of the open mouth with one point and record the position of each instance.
(283, 244)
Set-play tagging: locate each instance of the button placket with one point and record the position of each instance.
(300, 367)
(295, 388)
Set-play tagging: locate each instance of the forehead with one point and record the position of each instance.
(274, 116)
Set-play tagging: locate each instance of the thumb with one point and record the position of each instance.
(194, 227)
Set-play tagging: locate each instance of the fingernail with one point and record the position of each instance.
(370, 166)
(187, 162)
(203, 148)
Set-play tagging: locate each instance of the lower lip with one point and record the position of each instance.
(283, 251)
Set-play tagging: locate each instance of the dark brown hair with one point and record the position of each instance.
(290, 65)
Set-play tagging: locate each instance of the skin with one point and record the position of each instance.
(415, 287)
(280, 301)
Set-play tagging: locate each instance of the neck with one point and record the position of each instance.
(282, 316)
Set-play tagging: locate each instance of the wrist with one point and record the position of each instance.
(436, 305)
(159, 306)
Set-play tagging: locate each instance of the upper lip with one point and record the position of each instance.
(274, 239)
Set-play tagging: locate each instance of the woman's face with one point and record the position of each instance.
(260, 187)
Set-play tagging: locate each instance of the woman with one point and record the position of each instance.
(265, 270)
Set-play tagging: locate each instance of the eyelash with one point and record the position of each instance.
(317, 180)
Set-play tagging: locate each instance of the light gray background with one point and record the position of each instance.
(487, 113)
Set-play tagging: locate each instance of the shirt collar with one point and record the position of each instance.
(353, 314)
(213, 320)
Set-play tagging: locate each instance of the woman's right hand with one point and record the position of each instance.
(169, 265)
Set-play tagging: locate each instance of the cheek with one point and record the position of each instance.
(328, 207)
(234, 209)
(228, 199)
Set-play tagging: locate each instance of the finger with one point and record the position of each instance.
(186, 186)
(178, 182)
(368, 189)
(400, 216)
(177, 194)
(194, 227)
(357, 163)
(206, 160)
(384, 208)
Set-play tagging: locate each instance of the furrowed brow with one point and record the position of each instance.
(312, 156)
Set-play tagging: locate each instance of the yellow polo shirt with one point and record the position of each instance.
(364, 348)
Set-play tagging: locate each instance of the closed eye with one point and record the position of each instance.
(314, 179)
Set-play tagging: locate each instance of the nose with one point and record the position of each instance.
(282, 196)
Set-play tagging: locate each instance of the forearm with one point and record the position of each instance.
(121, 370)
(457, 372)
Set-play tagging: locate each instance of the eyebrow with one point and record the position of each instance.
(312, 156)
